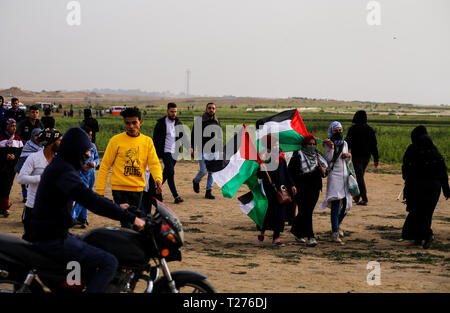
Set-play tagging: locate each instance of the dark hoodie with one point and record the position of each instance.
(61, 185)
(361, 138)
(90, 122)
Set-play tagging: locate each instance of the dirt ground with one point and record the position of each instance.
(221, 242)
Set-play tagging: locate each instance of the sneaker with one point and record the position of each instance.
(208, 195)
(341, 233)
(301, 240)
(196, 186)
(178, 200)
(362, 202)
(277, 243)
(428, 241)
(335, 238)
(312, 242)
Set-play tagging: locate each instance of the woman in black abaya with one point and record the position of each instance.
(425, 173)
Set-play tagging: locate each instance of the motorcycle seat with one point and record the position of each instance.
(25, 254)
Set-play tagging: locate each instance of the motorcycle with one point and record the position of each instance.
(141, 256)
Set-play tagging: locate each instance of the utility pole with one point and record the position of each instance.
(188, 78)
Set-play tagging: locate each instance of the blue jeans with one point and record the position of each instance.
(88, 179)
(91, 259)
(203, 171)
(337, 214)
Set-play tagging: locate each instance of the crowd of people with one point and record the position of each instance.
(57, 175)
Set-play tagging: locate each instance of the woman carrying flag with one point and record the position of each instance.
(275, 176)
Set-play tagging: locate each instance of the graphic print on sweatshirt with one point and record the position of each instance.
(132, 165)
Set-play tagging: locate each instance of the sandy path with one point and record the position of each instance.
(221, 243)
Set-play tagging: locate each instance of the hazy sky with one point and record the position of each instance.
(266, 48)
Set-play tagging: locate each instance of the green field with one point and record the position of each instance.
(393, 133)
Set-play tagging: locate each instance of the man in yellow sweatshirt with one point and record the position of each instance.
(128, 154)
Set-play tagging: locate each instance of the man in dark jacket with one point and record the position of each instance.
(90, 122)
(164, 138)
(25, 127)
(14, 112)
(205, 143)
(51, 216)
(362, 142)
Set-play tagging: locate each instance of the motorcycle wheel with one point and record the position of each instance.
(15, 285)
(196, 286)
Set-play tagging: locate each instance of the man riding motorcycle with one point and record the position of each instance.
(51, 216)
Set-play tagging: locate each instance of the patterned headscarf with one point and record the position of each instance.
(48, 136)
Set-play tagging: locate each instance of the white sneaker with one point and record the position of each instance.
(312, 242)
(335, 238)
(341, 233)
(302, 240)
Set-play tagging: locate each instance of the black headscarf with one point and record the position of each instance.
(360, 117)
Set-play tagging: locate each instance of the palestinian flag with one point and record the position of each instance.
(239, 165)
(288, 126)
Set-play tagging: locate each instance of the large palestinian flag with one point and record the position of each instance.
(288, 126)
(239, 165)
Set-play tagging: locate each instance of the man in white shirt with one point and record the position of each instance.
(164, 138)
(33, 168)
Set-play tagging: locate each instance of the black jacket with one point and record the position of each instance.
(159, 135)
(361, 138)
(61, 185)
(90, 122)
(48, 121)
(215, 134)
(24, 129)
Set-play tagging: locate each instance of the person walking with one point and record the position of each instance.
(87, 175)
(206, 142)
(10, 148)
(164, 137)
(91, 122)
(30, 147)
(48, 120)
(26, 126)
(15, 112)
(338, 196)
(273, 179)
(425, 174)
(51, 218)
(31, 171)
(362, 143)
(24, 131)
(129, 154)
(307, 167)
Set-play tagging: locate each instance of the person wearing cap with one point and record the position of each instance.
(33, 167)
(87, 175)
(30, 147)
(10, 148)
(51, 216)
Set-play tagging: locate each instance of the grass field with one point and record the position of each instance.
(393, 133)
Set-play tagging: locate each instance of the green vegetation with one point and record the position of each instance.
(393, 133)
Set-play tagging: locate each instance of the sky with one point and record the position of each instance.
(382, 51)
